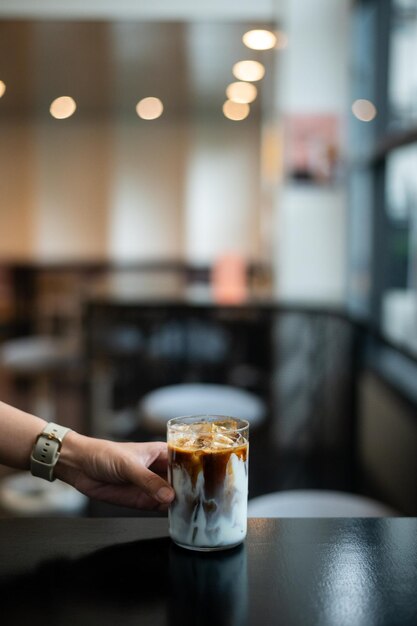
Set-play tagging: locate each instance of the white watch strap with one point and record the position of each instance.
(46, 451)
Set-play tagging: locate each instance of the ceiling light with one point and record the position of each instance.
(2, 88)
(248, 70)
(62, 107)
(241, 92)
(259, 39)
(235, 111)
(149, 108)
(364, 110)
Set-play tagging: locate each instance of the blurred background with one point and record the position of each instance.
(183, 233)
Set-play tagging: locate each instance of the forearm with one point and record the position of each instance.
(127, 474)
(18, 433)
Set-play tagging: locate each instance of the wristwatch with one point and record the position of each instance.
(46, 451)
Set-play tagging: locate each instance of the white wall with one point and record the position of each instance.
(91, 190)
(315, 65)
(71, 190)
(129, 191)
(311, 248)
(146, 195)
(222, 191)
(310, 221)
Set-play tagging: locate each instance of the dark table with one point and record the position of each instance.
(290, 572)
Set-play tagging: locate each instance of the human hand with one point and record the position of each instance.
(126, 474)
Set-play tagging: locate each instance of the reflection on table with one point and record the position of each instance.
(295, 571)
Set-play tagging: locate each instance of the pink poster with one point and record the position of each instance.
(312, 148)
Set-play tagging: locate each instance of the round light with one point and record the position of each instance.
(259, 39)
(62, 107)
(236, 111)
(364, 110)
(241, 92)
(2, 88)
(149, 108)
(248, 70)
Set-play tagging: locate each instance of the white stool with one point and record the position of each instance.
(316, 503)
(161, 405)
(24, 495)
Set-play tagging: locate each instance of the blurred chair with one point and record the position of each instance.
(36, 359)
(162, 404)
(191, 341)
(316, 503)
(24, 495)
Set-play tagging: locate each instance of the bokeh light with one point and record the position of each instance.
(259, 39)
(149, 108)
(248, 70)
(235, 111)
(241, 92)
(364, 110)
(62, 107)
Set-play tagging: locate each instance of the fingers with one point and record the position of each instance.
(152, 484)
(123, 495)
(129, 463)
(160, 467)
(154, 453)
(155, 456)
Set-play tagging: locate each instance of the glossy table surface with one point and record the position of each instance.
(289, 572)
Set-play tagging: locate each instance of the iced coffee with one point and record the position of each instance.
(208, 469)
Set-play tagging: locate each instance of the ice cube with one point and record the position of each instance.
(201, 428)
(225, 425)
(185, 442)
(224, 439)
(182, 428)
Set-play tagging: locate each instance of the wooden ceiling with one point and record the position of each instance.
(107, 66)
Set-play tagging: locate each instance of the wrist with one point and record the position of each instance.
(72, 454)
(46, 451)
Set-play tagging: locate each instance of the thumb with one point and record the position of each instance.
(152, 484)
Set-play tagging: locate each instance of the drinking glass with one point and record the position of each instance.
(208, 469)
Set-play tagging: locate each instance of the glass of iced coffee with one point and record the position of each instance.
(208, 469)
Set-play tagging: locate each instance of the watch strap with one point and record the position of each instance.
(46, 450)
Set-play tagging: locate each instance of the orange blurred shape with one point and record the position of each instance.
(229, 279)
